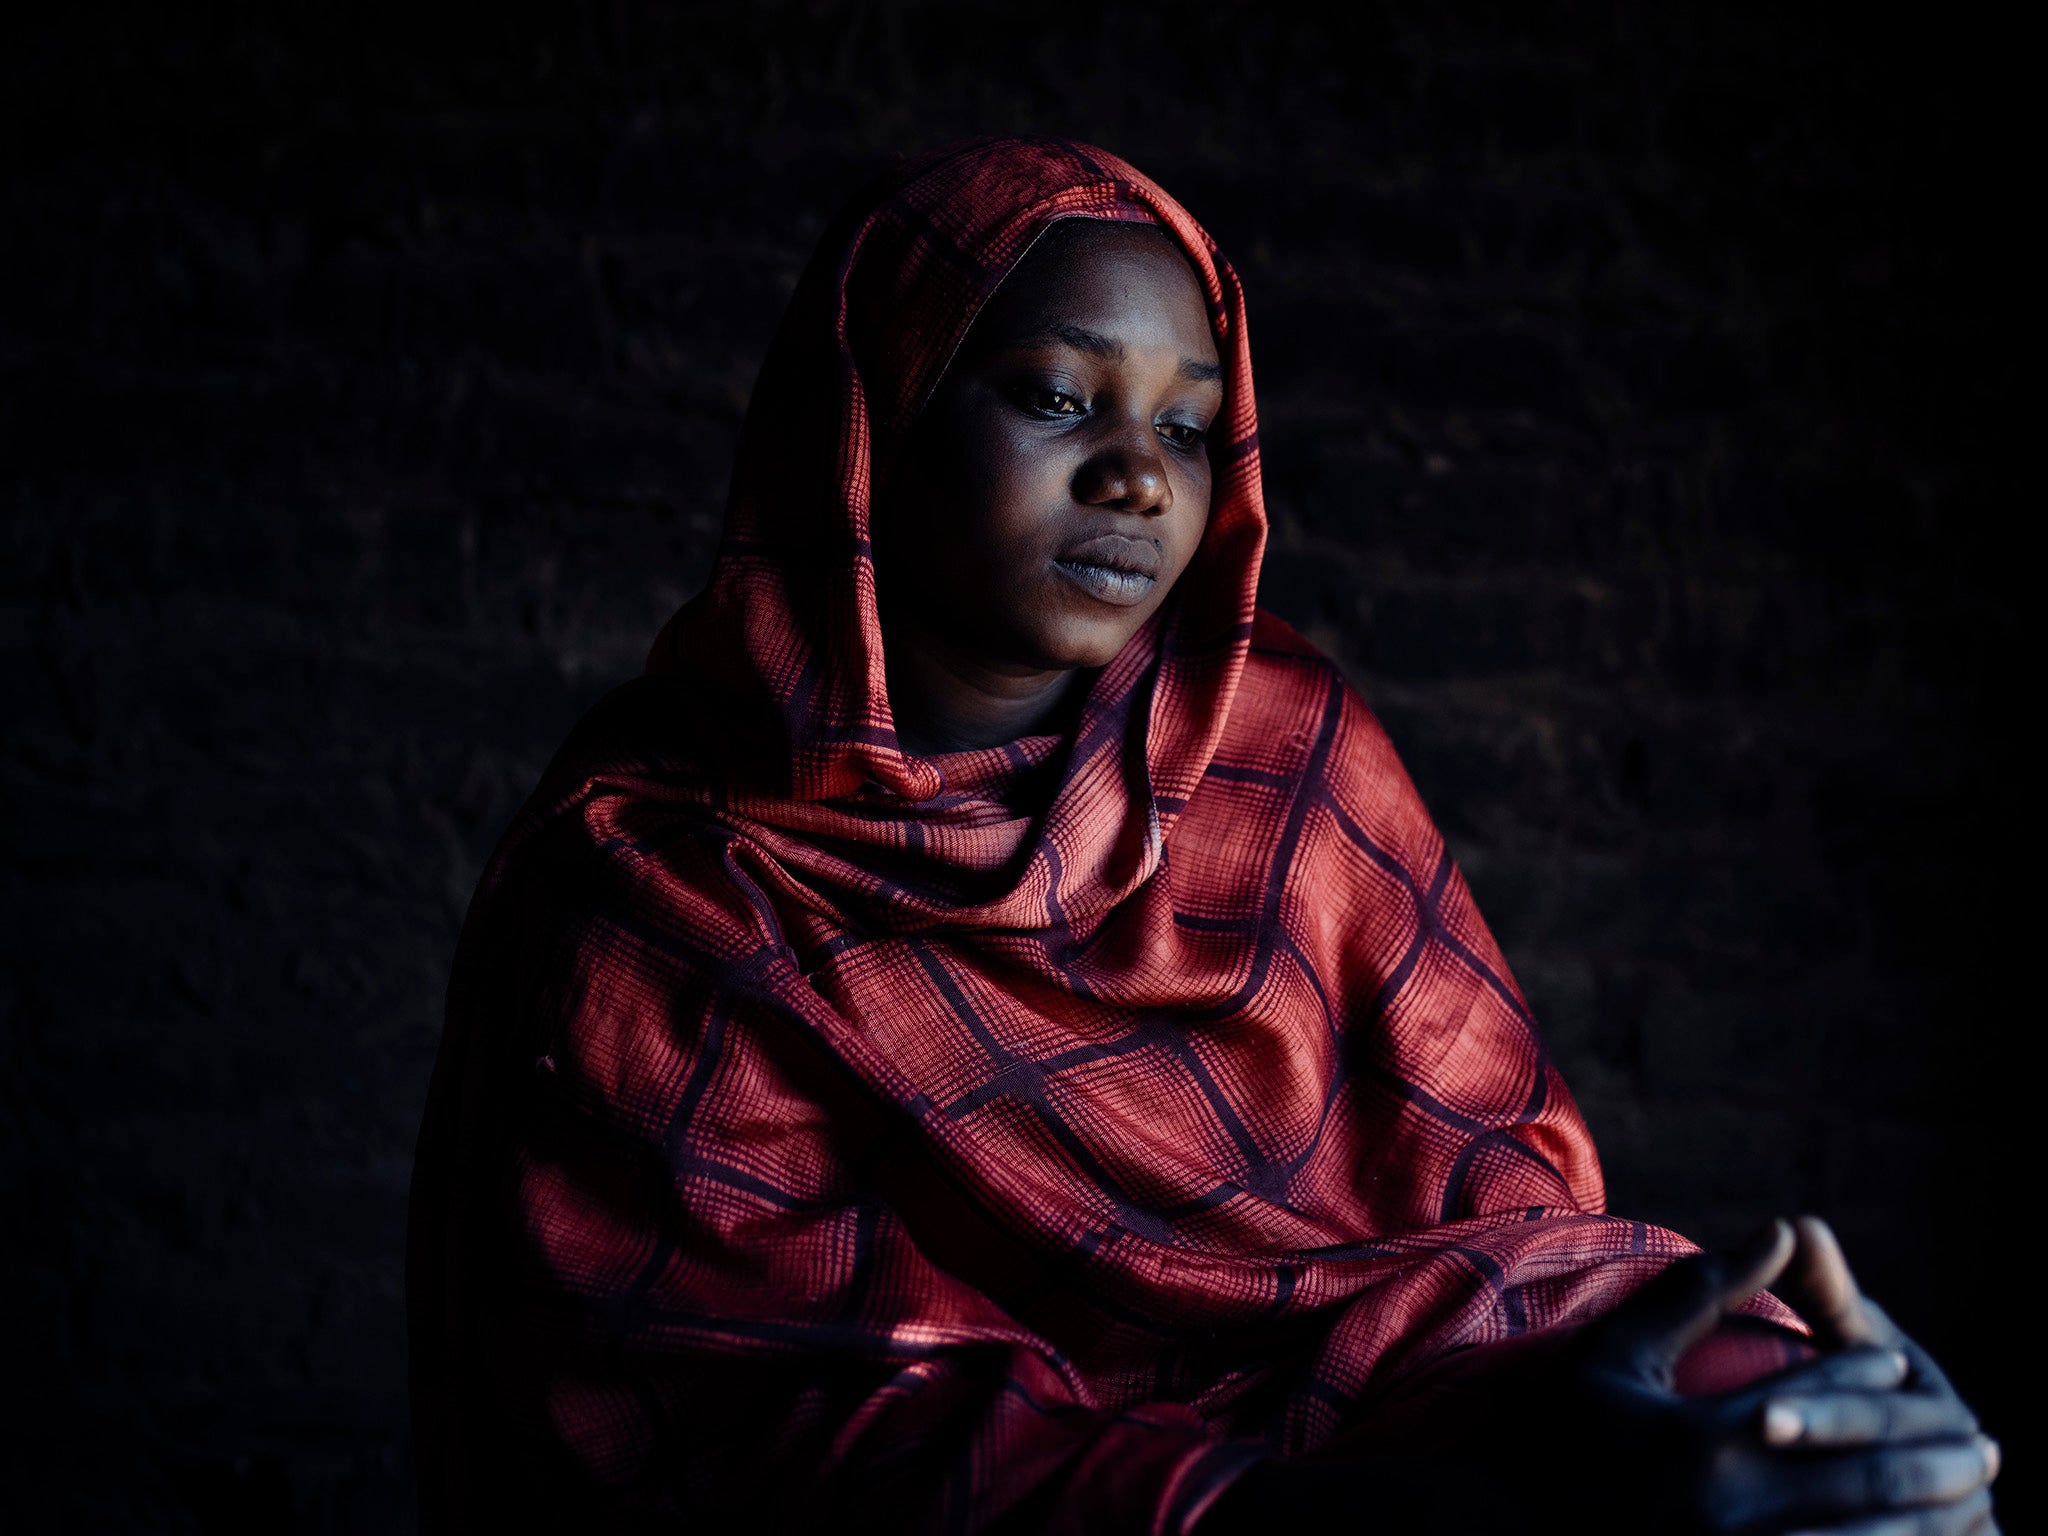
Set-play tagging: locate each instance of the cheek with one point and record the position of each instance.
(1022, 488)
(964, 515)
(1191, 508)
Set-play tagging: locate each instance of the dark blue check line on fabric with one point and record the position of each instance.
(963, 1010)
(1230, 774)
(1032, 1074)
(1468, 1156)
(691, 1165)
(1238, 927)
(866, 1230)
(1025, 1081)
(708, 1055)
(1427, 911)
(1429, 925)
(1282, 862)
(1056, 919)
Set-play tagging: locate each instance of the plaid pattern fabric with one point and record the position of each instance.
(1019, 1138)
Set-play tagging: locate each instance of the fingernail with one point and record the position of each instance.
(1993, 1457)
(1783, 1423)
(1900, 1364)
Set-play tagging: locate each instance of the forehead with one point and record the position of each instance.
(1124, 280)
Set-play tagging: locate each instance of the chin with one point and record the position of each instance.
(1085, 647)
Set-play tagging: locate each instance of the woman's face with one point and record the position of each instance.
(1058, 483)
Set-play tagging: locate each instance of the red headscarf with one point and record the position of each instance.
(1044, 1130)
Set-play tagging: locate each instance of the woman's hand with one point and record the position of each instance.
(1867, 1440)
(1870, 1439)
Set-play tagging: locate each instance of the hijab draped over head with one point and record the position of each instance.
(783, 652)
(1037, 1132)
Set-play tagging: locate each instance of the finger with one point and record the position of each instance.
(1897, 1477)
(1925, 1372)
(1851, 1370)
(1886, 1332)
(1966, 1517)
(1646, 1334)
(1823, 1288)
(1864, 1418)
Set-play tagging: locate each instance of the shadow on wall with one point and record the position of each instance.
(1628, 400)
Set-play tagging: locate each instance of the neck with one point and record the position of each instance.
(947, 699)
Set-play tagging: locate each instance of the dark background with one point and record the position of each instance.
(1631, 384)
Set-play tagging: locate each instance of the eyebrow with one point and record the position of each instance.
(1112, 350)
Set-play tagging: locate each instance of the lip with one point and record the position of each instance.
(1111, 567)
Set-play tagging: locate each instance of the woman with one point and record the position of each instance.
(984, 1034)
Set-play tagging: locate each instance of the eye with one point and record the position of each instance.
(1047, 401)
(1183, 434)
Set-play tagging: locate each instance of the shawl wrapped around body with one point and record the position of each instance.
(1016, 1139)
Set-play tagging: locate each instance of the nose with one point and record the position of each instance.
(1129, 476)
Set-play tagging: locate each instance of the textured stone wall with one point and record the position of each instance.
(367, 392)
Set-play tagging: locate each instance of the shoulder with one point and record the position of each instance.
(1297, 723)
(1291, 690)
(623, 824)
(611, 920)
